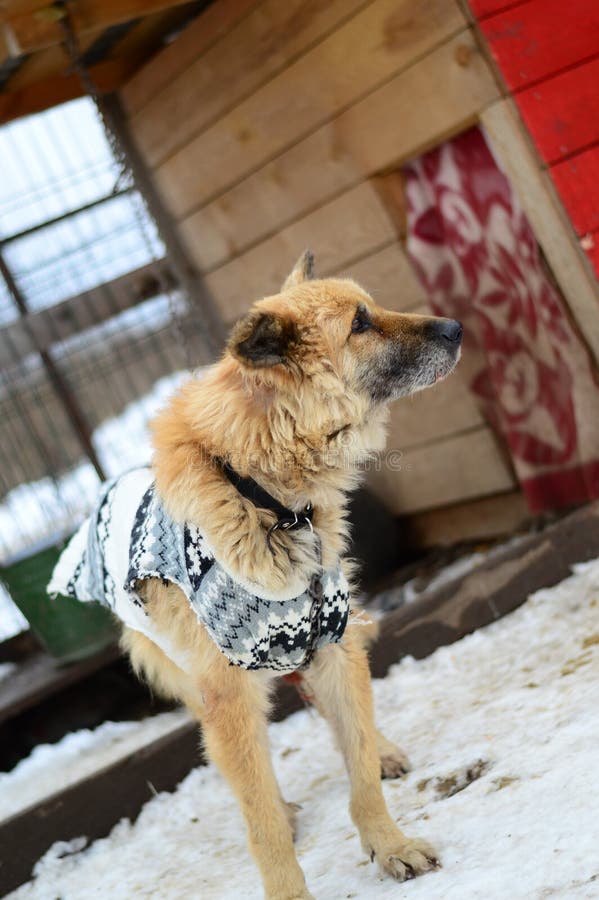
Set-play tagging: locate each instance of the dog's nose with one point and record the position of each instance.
(450, 330)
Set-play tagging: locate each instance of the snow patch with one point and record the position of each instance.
(520, 695)
(54, 767)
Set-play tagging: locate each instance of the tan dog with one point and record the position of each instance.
(297, 402)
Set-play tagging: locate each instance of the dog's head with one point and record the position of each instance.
(324, 349)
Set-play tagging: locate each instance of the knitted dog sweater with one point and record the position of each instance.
(130, 536)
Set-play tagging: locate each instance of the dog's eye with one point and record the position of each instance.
(361, 322)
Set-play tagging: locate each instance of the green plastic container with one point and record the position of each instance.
(68, 629)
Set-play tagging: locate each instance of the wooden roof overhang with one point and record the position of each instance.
(115, 38)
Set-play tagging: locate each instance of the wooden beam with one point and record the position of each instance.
(40, 676)
(40, 330)
(489, 591)
(35, 26)
(481, 519)
(108, 76)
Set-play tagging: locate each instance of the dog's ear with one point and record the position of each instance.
(303, 270)
(263, 339)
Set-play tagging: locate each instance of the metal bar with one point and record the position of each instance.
(66, 215)
(189, 279)
(40, 330)
(61, 387)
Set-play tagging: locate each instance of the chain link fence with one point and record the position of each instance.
(91, 318)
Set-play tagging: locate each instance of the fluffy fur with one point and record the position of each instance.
(298, 402)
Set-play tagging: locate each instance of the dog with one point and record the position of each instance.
(256, 459)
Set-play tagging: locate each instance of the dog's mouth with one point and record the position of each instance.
(443, 371)
(393, 378)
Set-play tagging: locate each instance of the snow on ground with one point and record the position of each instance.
(513, 707)
(52, 767)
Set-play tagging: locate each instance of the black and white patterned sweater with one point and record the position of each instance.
(129, 536)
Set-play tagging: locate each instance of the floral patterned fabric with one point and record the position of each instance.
(476, 255)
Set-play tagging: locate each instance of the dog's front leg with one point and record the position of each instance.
(339, 679)
(234, 719)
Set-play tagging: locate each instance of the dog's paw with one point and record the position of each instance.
(394, 763)
(406, 859)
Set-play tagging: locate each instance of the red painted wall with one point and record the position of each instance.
(548, 53)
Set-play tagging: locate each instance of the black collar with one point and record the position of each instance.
(251, 490)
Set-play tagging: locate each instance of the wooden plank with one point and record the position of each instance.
(391, 189)
(436, 474)
(19, 646)
(383, 39)
(490, 590)
(204, 31)
(536, 39)
(388, 276)
(562, 113)
(432, 415)
(134, 46)
(435, 98)
(551, 226)
(40, 676)
(577, 180)
(349, 226)
(40, 330)
(36, 29)
(107, 76)
(474, 520)
(263, 44)
(37, 67)
(147, 38)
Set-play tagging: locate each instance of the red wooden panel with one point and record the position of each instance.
(562, 113)
(577, 181)
(482, 8)
(535, 40)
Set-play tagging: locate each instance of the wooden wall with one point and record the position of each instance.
(266, 125)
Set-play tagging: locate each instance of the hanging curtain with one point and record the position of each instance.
(477, 257)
